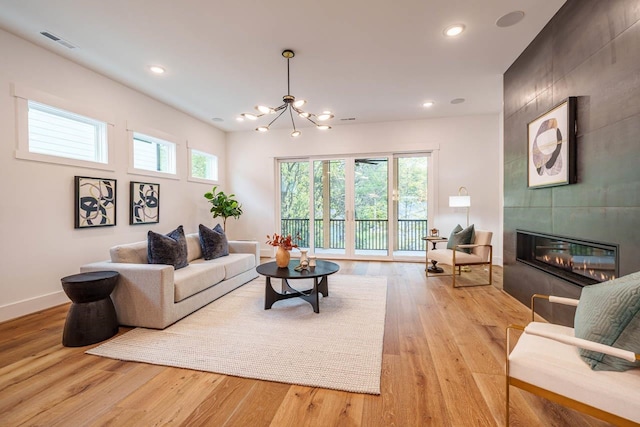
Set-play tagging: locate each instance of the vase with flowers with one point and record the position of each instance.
(284, 245)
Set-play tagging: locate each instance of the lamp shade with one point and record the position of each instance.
(459, 201)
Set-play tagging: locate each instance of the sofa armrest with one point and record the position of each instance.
(245, 247)
(144, 295)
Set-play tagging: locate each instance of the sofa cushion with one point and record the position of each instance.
(197, 277)
(213, 241)
(131, 253)
(233, 264)
(170, 249)
(609, 313)
(194, 251)
(238, 263)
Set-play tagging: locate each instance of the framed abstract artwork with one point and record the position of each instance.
(144, 203)
(95, 202)
(551, 154)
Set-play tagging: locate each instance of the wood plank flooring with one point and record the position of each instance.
(443, 363)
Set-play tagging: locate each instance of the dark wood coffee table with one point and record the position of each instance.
(319, 275)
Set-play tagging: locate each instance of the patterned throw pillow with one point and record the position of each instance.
(170, 249)
(213, 242)
(461, 237)
(609, 313)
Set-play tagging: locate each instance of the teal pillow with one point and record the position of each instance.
(461, 237)
(609, 313)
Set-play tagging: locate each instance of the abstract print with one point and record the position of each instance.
(145, 203)
(551, 152)
(95, 202)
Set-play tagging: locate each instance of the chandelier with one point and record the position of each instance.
(290, 104)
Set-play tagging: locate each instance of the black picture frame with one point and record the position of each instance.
(95, 202)
(551, 149)
(144, 203)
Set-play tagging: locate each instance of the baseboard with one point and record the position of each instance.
(31, 305)
(267, 253)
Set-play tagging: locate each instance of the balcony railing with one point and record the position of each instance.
(371, 234)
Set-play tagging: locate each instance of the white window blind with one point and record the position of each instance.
(61, 133)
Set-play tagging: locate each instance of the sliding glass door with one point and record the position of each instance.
(371, 206)
(342, 207)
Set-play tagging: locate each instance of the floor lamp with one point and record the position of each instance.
(461, 201)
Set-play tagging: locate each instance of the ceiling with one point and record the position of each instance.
(368, 60)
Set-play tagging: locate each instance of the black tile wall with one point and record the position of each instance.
(590, 49)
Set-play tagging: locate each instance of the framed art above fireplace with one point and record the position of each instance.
(551, 152)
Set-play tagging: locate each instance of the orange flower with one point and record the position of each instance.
(284, 242)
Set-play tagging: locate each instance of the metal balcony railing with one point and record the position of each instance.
(371, 234)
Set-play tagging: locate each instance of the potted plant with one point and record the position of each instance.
(223, 205)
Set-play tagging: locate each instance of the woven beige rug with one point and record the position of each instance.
(339, 348)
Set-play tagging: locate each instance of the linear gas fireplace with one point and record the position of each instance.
(578, 261)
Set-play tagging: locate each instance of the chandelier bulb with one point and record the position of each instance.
(299, 103)
(295, 133)
(265, 110)
(324, 127)
(262, 128)
(326, 115)
(303, 114)
(249, 116)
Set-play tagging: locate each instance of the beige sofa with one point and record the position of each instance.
(156, 295)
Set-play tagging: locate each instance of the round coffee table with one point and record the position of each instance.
(318, 274)
(92, 316)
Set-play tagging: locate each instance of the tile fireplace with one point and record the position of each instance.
(581, 262)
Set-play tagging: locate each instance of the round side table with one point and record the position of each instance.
(92, 316)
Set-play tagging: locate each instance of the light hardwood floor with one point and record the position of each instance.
(443, 363)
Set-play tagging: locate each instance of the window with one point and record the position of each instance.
(153, 154)
(57, 132)
(52, 129)
(204, 165)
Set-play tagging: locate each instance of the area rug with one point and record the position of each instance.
(339, 348)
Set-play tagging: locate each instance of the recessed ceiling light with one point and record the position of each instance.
(511, 18)
(428, 104)
(457, 101)
(217, 119)
(156, 69)
(454, 30)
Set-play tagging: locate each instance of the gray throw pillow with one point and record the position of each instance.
(170, 249)
(461, 237)
(609, 313)
(214, 242)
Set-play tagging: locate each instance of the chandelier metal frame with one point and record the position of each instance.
(291, 105)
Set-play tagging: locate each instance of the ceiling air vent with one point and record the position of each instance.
(57, 39)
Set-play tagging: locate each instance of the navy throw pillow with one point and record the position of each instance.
(214, 242)
(170, 249)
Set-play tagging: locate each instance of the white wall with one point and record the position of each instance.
(468, 155)
(39, 244)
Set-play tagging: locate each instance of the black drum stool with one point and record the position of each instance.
(92, 316)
